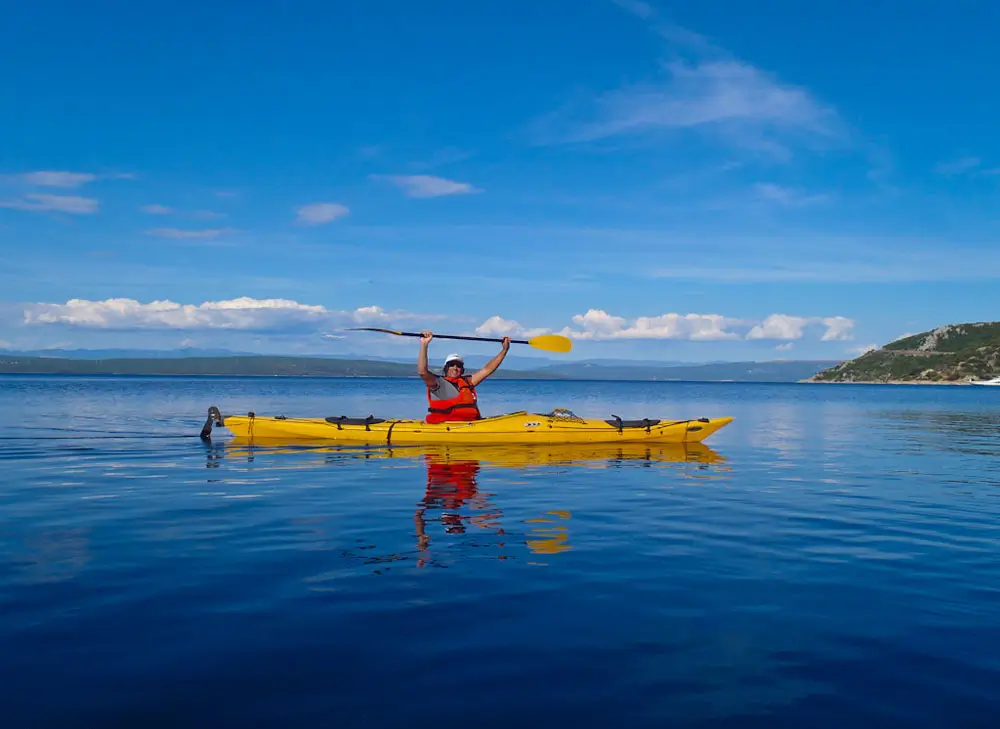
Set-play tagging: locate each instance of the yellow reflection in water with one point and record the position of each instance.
(549, 539)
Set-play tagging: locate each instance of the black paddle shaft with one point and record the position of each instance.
(438, 336)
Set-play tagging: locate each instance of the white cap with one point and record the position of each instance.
(454, 356)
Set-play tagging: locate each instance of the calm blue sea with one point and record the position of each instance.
(832, 561)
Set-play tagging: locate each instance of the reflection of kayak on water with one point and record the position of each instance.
(453, 472)
(499, 456)
(559, 426)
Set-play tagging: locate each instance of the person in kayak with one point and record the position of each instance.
(452, 394)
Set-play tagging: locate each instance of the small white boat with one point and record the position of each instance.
(994, 381)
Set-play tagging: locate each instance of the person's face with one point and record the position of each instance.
(454, 369)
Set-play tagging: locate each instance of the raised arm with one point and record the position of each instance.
(422, 369)
(490, 367)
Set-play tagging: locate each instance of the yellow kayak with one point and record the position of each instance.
(521, 428)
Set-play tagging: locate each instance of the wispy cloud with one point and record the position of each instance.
(705, 89)
(156, 209)
(740, 104)
(958, 166)
(636, 7)
(320, 213)
(39, 202)
(856, 262)
(243, 313)
(183, 234)
(787, 196)
(50, 178)
(969, 166)
(427, 185)
(68, 180)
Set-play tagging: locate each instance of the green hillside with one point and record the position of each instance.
(951, 353)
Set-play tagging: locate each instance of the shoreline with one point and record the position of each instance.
(886, 382)
(213, 375)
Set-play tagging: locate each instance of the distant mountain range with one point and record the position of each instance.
(212, 362)
(512, 360)
(123, 353)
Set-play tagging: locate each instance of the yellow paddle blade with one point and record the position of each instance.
(551, 343)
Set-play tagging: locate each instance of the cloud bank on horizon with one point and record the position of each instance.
(250, 314)
(608, 181)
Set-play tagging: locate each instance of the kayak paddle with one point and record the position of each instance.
(548, 342)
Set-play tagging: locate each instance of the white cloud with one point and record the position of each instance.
(862, 350)
(424, 186)
(371, 315)
(39, 202)
(320, 213)
(783, 326)
(598, 321)
(497, 326)
(156, 209)
(779, 326)
(181, 234)
(207, 215)
(598, 324)
(243, 313)
(785, 347)
(838, 328)
(51, 178)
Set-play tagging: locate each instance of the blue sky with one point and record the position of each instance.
(679, 181)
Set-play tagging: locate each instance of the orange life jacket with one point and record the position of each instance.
(461, 407)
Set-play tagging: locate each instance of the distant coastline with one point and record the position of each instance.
(788, 371)
(883, 382)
